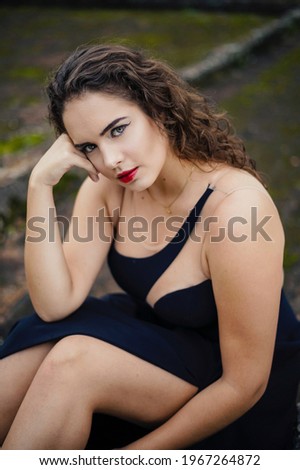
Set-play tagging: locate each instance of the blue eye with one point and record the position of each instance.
(117, 131)
(88, 148)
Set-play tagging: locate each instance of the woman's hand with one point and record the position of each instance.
(58, 160)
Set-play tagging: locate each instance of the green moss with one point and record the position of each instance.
(266, 115)
(20, 142)
(177, 36)
(267, 112)
(29, 72)
(290, 259)
(275, 80)
(69, 184)
(13, 220)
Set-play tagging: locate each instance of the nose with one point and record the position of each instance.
(111, 158)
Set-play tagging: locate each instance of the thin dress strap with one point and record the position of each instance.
(138, 275)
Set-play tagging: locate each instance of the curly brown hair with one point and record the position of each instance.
(195, 130)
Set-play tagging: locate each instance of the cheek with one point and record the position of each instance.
(133, 149)
(95, 157)
(151, 144)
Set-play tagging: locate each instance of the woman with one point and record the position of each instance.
(202, 350)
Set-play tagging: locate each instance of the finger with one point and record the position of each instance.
(82, 162)
(94, 177)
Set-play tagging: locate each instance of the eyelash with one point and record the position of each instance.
(122, 127)
(92, 146)
(85, 148)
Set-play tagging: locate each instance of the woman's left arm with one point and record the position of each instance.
(244, 252)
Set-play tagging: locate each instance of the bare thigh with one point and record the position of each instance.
(114, 381)
(16, 374)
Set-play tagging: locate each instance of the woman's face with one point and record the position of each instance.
(120, 140)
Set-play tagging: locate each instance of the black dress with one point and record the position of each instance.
(179, 334)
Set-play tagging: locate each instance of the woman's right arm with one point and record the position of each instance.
(60, 275)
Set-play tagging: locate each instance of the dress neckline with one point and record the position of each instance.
(180, 236)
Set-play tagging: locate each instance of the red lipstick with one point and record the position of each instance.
(127, 176)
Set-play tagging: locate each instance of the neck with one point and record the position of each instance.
(171, 183)
(171, 179)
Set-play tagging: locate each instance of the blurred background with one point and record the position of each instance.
(244, 55)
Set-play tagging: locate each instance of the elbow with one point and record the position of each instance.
(50, 313)
(47, 315)
(56, 308)
(247, 393)
(256, 391)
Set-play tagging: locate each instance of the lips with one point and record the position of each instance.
(127, 176)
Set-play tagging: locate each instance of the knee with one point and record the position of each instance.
(65, 359)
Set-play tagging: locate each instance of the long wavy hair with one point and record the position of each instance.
(195, 130)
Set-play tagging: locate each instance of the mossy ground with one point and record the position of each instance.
(20, 142)
(36, 40)
(266, 113)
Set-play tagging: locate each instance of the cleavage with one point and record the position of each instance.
(182, 273)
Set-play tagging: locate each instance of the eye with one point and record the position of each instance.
(117, 131)
(88, 148)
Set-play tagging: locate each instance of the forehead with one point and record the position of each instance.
(96, 102)
(99, 108)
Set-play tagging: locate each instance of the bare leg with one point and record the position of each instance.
(82, 375)
(16, 374)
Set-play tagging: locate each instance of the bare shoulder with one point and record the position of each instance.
(245, 223)
(237, 192)
(228, 179)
